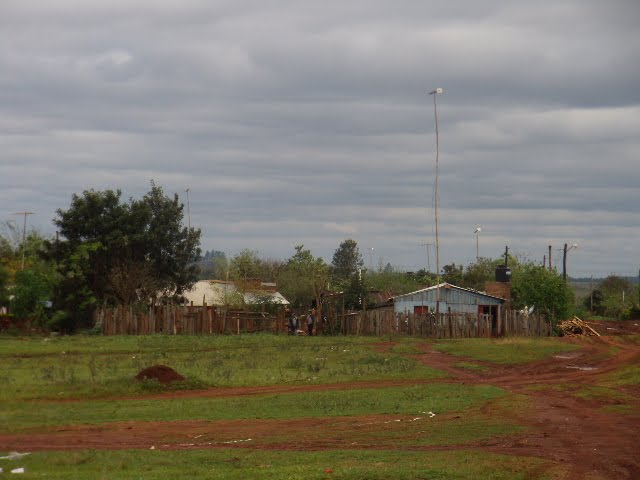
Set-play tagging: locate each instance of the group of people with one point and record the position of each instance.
(293, 322)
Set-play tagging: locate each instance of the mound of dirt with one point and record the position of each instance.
(161, 373)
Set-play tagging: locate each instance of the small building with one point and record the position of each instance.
(453, 300)
(221, 293)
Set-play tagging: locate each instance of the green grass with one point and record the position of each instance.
(98, 372)
(94, 367)
(440, 398)
(629, 375)
(622, 409)
(602, 394)
(243, 464)
(93, 375)
(504, 350)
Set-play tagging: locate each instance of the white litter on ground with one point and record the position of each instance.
(202, 444)
(18, 470)
(238, 441)
(15, 455)
(578, 367)
(431, 414)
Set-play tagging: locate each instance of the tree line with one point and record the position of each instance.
(132, 252)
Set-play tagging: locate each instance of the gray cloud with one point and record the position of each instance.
(298, 122)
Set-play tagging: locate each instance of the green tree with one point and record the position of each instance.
(170, 248)
(213, 265)
(594, 302)
(355, 292)
(4, 285)
(12, 249)
(304, 278)
(346, 261)
(32, 291)
(534, 285)
(26, 280)
(453, 274)
(390, 282)
(245, 267)
(107, 246)
(617, 296)
(477, 274)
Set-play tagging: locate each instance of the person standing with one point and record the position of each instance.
(311, 321)
(293, 324)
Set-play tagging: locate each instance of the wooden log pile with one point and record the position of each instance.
(576, 327)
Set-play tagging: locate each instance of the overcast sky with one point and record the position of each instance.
(298, 122)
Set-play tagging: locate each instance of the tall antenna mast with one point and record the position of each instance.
(428, 256)
(435, 93)
(188, 209)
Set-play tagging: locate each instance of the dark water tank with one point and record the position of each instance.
(503, 274)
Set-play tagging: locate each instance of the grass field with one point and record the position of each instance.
(248, 464)
(339, 407)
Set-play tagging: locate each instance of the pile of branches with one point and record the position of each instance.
(576, 327)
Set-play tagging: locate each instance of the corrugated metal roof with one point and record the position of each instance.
(217, 292)
(446, 285)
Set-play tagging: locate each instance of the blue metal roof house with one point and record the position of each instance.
(453, 299)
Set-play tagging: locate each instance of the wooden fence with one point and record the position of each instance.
(208, 320)
(449, 325)
(175, 320)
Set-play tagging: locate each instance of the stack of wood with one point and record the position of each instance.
(576, 327)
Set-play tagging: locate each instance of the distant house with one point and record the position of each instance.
(453, 299)
(220, 293)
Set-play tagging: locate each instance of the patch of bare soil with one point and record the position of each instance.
(570, 431)
(616, 327)
(160, 373)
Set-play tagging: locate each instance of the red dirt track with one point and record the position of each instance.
(580, 438)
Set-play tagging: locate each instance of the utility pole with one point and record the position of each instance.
(564, 259)
(24, 233)
(550, 258)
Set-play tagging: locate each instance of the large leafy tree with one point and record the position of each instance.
(108, 248)
(545, 290)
